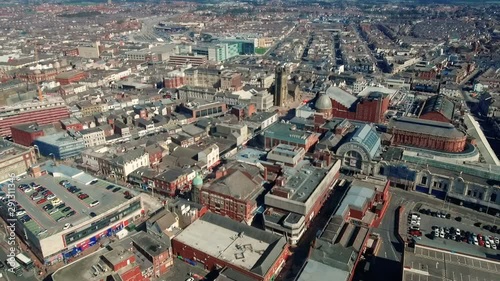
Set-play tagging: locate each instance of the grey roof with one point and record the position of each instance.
(427, 127)
(366, 136)
(323, 102)
(129, 156)
(439, 103)
(341, 96)
(237, 185)
(356, 197)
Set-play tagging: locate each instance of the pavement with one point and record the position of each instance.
(27, 275)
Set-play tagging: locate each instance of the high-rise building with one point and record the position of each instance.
(280, 86)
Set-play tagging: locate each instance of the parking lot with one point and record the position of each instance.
(441, 265)
(428, 222)
(48, 215)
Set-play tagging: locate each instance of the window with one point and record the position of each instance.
(469, 192)
(424, 180)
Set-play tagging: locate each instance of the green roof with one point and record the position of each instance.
(286, 132)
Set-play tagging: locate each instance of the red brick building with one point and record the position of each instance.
(426, 134)
(26, 134)
(243, 111)
(238, 250)
(71, 124)
(368, 109)
(171, 181)
(69, 77)
(174, 82)
(437, 108)
(47, 112)
(233, 193)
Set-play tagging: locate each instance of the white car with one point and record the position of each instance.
(67, 225)
(475, 240)
(457, 232)
(51, 196)
(487, 244)
(436, 233)
(497, 241)
(441, 234)
(494, 246)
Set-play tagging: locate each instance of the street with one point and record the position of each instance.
(27, 276)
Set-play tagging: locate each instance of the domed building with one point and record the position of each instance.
(197, 181)
(323, 105)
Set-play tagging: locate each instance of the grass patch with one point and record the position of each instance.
(260, 51)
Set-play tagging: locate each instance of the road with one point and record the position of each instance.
(300, 253)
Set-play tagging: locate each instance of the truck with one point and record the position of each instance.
(26, 262)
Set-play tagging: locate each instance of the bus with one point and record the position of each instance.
(26, 262)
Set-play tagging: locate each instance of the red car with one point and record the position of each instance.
(417, 233)
(41, 201)
(481, 243)
(83, 196)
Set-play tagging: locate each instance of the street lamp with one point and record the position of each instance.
(53, 157)
(114, 175)
(37, 150)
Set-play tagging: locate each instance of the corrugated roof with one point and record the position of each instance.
(356, 198)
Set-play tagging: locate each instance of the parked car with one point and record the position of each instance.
(83, 196)
(37, 197)
(67, 209)
(94, 182)
(67, 225)
(48, 207)
(55, 210)
(117, 189)
(61, 206)
(92, 214)
(70, 214)
(109, 187)
(51, 196)
(41, 201)
(459, 219)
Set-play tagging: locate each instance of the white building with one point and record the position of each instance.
(209, 155)
(93, 137)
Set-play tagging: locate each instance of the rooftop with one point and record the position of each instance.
(357, 197)
(287, 132)
(237, 184)
(8, 149)
(303, 180)
(419, 126)
(242, 245)
(439, 103)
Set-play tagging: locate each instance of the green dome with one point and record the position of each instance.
(197, 181)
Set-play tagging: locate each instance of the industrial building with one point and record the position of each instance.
(47, 111)
(240, 251)
(57, 234)
(62, 145)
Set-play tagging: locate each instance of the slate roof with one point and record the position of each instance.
(439, 103)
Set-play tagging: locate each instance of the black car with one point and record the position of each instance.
(48, 207)
(94, 182)
(92, 214)
(66, 209)
(109, 187)
(70, 214)
(459, 219)
(487, 227)
(62, 205)
(117, 189)
(25, 219)
(477, 224)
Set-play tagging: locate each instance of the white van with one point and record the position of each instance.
(95, 203)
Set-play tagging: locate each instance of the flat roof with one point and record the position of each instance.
(42, 220)
(244, 246)
(429, 264)
(303, 179)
